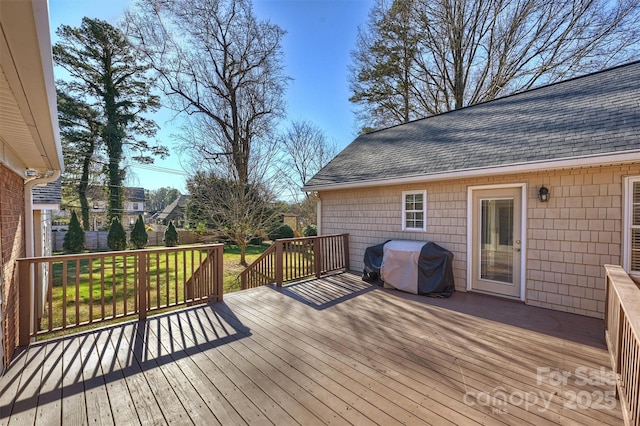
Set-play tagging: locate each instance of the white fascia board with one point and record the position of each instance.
(567, 163)
(52, 207)
(53, 145)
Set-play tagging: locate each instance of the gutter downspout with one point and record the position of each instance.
(29, 235)
(318, 212)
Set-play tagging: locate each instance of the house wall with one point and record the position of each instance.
(12, 247)
(569, 238)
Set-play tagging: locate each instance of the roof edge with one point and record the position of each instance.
(565, 163)
(510, 95)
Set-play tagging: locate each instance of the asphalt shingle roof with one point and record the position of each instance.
(134, 194)
(50, 193)
(175, 208)
(597, 114)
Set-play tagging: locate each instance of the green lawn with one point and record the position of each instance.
(232, 267)
(168, 272)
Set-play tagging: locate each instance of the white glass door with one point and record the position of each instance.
(497, 241)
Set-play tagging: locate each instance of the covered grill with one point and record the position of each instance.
(413, 266)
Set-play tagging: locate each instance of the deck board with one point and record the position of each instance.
(329, 351)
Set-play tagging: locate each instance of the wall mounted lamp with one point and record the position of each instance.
(543, 194)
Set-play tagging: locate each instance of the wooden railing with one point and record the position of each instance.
(293, 259)
(622, 332)
(77, 290)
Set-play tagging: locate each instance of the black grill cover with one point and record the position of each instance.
(435, 269)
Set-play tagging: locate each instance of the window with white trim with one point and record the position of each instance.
(632, 226)
(414, 210)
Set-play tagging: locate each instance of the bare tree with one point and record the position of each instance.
(305, 151)
(239, 212)
(471, 51)
(221, 66)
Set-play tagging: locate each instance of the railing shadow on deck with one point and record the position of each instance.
(96, 358)
(325, 292)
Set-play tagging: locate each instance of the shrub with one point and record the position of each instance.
(139, 236)
(117, 238)
(74, 239)
(280, 231)
(170, 236)
(256, 241)
(310, 231)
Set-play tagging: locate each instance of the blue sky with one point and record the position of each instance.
(320, 36)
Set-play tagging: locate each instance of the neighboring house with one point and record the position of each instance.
(173, 212)
(30, 151)
(134, 200)
(46, 200)
(472, 181)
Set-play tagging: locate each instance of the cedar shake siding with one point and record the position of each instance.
(579, 138)
(569, 238)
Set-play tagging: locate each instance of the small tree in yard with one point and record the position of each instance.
(139, 236)
(74, 239)
(170, 236)
(117, 238)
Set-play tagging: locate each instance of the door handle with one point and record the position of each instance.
(516, 249)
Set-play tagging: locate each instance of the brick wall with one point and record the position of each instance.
(569, 238)
(13, 247)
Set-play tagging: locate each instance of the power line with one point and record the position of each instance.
(160, 169)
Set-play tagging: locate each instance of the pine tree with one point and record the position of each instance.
(106, 71)
(170, 236)
(74, 239)
(117, 238)
(139, 236)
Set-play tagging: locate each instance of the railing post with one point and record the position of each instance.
(317, 256)
(279, 263)
(345, 248)
(142, 286)
(219, 273)
(24, 303)
(243, 280)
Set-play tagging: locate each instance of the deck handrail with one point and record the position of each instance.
(293, 259)
(622, 333)
(61, 292)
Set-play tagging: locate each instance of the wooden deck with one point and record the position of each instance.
(324, 351)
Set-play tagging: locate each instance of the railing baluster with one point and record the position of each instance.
(175, 277)
(90, 289)
(50, 297)
(157, 265)
(114, 287)
(136, 283)
(125, 296)
(76, 302)
(622, 334)
(64, 294)
(293, 259)
(143, 286)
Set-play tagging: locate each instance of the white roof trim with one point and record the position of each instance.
(46, 206)
(565, 163)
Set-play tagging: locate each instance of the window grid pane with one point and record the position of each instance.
(414, 211)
